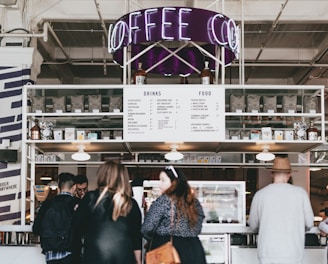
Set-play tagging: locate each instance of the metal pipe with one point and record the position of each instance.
(43, 35)
(46, 28)
(101, 19)
(274, 24)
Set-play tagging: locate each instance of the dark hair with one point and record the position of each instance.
(66, 180)
(79, 179)
(326, 211)
(180, 191)
(176, 175)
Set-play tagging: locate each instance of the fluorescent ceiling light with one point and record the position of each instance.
(80, 155)
(173, 154)
(265, 155)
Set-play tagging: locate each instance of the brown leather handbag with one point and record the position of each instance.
(166, 253)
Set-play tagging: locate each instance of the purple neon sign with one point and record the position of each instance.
(173, 24)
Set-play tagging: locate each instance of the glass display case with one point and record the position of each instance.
(223, 201)
(216, 248)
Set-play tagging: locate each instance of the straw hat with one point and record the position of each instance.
(281, 164)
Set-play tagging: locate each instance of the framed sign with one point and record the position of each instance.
(166, 113)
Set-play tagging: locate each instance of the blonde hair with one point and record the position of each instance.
(113, 177)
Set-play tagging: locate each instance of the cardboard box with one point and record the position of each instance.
(278, 135)
(92, 136)
(266, 133)
(80, 135)
(69, 133)
(289, 135)
(58, 134)
(255, 134)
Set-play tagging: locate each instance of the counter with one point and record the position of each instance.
(248, 255)
(27, 254)
(226, 244)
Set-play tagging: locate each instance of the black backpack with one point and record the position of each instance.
(55, 224)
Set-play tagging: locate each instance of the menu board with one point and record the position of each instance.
(159, 113)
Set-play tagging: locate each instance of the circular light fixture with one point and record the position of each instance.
(265, 155)
(315, 169)
(80, 155)
(173, 154)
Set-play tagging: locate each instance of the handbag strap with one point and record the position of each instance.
(172, 220)
(171, 226)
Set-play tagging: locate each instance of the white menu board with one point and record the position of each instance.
(159, 113)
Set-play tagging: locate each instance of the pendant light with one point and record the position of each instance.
(46, 177)
(265, 155)
(80, 155)
(173, 154)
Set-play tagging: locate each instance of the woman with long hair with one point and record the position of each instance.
(178, 198)
(109, 219)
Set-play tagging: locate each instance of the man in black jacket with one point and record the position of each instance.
(53, 223)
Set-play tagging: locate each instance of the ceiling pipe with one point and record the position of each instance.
(46, 29)
(103, 25)
(273, 26)
(60, 45)
(265, 64)
(43, 35)
(307, 76)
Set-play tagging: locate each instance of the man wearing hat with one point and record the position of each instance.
(281, 213)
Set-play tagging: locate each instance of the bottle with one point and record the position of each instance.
(36, 131)
(312, 133)
(139, 76)
(206, 75)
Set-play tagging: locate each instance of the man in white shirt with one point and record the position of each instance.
(281, 213)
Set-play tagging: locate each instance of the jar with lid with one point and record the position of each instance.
(140, 75)
(206, 75)
(36, 131)
(312, 133)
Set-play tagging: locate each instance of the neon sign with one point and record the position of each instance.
(173, 24)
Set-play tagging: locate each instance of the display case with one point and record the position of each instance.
(216, 248)
(223, 202)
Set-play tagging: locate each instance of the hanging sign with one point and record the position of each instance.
(174, 24)
(161, 113)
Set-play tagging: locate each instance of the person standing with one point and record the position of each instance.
(109, 219)
(53, 223)
(187, 221)
(281, 213)
(82, 185)
(322, 213)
